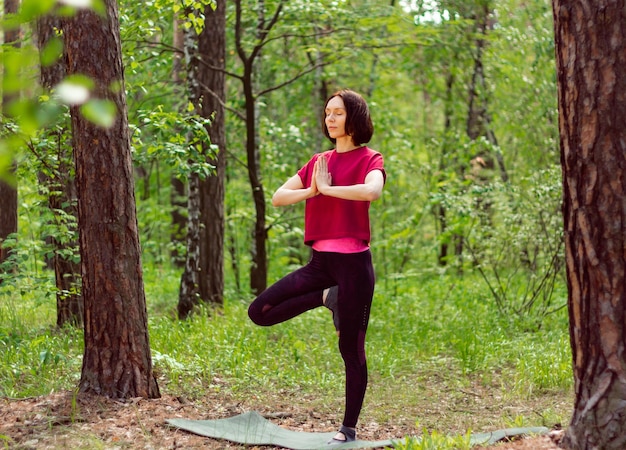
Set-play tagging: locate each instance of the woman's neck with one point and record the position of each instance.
(345, 144)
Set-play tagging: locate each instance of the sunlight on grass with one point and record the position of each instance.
(434, 441)
(432, 348)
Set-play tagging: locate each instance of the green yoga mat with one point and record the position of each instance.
(252, 428)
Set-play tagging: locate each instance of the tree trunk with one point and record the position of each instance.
(591, 61)
(8, 191)
(212, 49)
(441, 211)
(258, 269)
(189, 294)
(478, 117)
(8, 218)
(61, 193)
(178, 195)
(117, 361)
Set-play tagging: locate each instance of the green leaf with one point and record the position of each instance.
(82, 80)
(77, 3)
(72, 93)
(99, 111)
(7, 149)
(25, 112)
(67, 8)
(31, 9)
(51, 52)
(75, 89)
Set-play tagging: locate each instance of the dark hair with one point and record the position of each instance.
(358, 121)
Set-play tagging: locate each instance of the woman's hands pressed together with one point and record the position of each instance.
(321, 176)
(322, 183)
(293, 191)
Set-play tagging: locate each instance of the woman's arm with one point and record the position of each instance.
(370, 190)
(293, 191)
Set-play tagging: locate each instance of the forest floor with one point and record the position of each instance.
(65, 420)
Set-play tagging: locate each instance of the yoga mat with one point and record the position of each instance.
(252, 428)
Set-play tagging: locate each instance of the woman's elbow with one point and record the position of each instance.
(279, 198)
(374, 195)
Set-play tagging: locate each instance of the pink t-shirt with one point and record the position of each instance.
(333, 218)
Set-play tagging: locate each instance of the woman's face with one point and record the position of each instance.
(335, 118)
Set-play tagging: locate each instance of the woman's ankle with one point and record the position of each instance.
(347, 434)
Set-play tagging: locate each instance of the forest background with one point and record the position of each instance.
(469, 330)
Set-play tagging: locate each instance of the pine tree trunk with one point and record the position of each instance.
(591, 61)
(203, 276)
(117, 361)
(212, 50)
(8, 191)
(61, 193)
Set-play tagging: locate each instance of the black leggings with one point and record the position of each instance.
(302, 290)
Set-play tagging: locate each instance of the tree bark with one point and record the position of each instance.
(8, 191)
(117, 361)
(189, 294)
(212, 49)
(258, 267)
(206, 242)
(478, 117)
(61, 193)
(441, 211)
(178, 195)
(591, 61)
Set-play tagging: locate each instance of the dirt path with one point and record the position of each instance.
(63, 420)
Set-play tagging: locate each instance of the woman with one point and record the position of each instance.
(338, 186)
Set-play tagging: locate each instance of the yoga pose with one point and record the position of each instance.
(338, 186)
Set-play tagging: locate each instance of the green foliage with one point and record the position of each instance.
(27, 110)
(514, 236)
(25, 267)
(176, 140)
(490, 316)
(432, 330)
(48, 227)
(434, 441)
(35, 359)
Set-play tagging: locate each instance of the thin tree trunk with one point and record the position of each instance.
(591, 61)
(258, 268)
(8, 190)
(178, 195)
(117, 361)
(61, 192)
(189, 294)
(478, 117)
(234, 257)
(441, 208)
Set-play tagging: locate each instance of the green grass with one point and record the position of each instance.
(433, 346)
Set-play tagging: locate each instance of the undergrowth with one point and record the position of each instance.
(432, 335)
